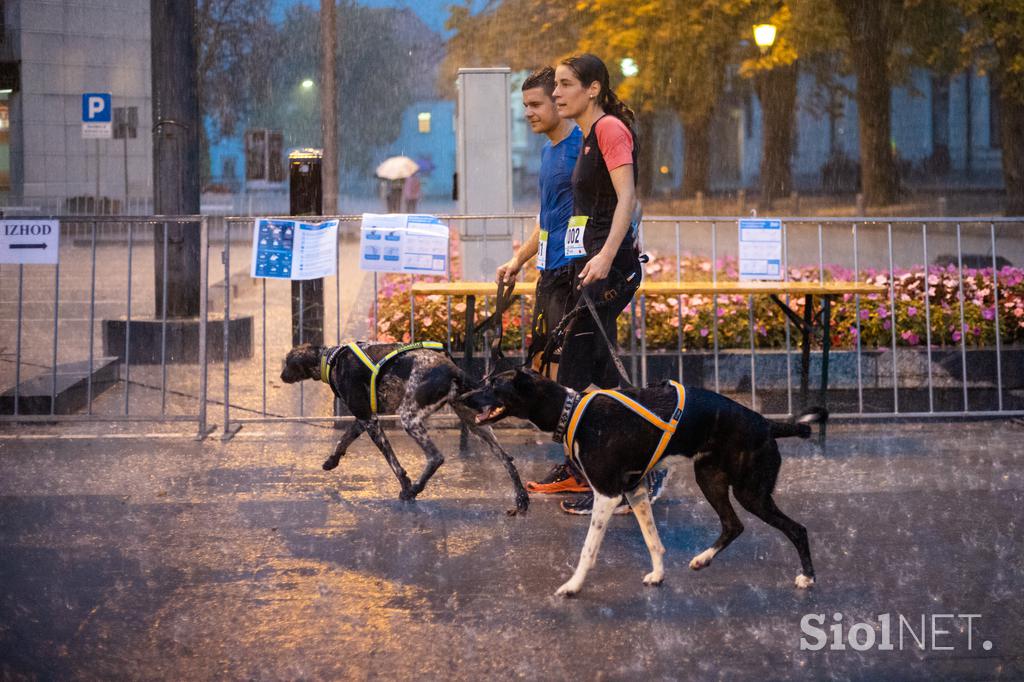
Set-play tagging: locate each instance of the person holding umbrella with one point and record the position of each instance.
(393, 172)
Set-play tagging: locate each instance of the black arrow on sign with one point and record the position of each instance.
(28, 246)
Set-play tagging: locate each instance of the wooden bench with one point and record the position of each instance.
(813, 323)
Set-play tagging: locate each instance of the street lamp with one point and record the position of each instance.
(629, 67)
(307, 84)
(764, 36)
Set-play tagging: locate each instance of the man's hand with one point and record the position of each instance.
(508, 271)
(596, 269)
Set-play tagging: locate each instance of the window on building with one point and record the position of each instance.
(264, 155)
(126, 122)
(995, 136)
(275, 156)
(940, 113)
(424, 121)
(748, 114)
(256, 155)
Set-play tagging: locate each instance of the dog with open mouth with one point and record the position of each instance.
(615, 437)
(411, 381)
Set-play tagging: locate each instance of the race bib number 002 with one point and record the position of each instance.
(542, 250)
(574, 237)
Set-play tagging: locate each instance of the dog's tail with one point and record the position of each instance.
(801, 427)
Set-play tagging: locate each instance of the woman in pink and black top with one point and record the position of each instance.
(604, 196)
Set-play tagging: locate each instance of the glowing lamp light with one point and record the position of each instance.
(307, 84)
(664, 170)
(629, 67)
(764, 36)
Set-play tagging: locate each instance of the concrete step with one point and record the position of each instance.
(71, 393)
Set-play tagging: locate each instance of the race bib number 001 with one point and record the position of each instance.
(574, 237)
(542, 250)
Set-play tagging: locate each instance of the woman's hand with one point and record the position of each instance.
(597, 268)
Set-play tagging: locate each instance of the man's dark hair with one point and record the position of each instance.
(541, 78)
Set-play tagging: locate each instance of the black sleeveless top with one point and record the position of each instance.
(593, 193)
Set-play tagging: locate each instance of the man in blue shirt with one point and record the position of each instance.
(547, 242)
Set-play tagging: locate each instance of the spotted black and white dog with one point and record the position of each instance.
(414, 385)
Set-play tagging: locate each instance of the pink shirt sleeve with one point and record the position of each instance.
(615, 142)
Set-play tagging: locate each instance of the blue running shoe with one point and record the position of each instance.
(655, 482)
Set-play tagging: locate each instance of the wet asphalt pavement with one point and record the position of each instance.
(164, 558)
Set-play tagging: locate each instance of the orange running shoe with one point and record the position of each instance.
(561, 479)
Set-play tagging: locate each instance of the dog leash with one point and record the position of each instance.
(557, 336)
(496, 320)
(668, 428)
(604, 335)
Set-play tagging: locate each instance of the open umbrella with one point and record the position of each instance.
(396, 168)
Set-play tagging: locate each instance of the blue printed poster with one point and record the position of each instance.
(293, 249)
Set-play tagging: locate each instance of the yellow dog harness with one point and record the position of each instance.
(374, 367)
(668, 428)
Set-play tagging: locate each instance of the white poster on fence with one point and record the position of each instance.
(760, 249)
(294, 249)
(30, 242)
(399, 242)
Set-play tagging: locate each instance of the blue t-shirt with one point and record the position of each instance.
(556, 164)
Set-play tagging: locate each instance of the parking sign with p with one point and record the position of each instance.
(97, 115)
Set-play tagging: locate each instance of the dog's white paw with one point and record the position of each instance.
(702, 560)
(803, 582)
(568, 589)
(654, 578)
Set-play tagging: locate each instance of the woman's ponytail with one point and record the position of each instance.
(617, 108)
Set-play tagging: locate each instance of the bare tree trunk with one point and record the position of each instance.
(872, 28)
(776, 89)
(176, 124)
(696, 155)
(1011, 130)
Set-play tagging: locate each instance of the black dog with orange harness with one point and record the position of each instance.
(615, 437)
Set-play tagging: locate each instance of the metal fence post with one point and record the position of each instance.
(204, 266)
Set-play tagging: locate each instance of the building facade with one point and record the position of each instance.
(61, 49)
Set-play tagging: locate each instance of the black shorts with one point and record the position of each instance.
(554, 297)
(585, 358)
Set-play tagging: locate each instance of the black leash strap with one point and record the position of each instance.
(556, 337)
(501, 303)
(604, 335)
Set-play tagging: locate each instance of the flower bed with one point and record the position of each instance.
(695, 315)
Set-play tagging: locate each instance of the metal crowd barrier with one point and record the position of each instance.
(57, 315)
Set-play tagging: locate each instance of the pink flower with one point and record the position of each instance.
(865, 313)
(911, 338)
(703, 331)
(988, 313)
(911, 311)
(957, 336)
(887, 325)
